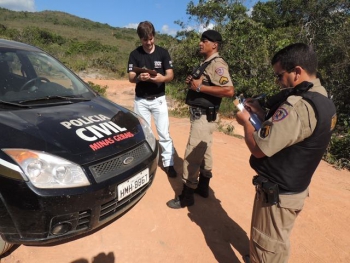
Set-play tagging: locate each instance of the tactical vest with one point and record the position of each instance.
(200, 99)
(293, 167)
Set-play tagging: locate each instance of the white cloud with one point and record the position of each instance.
(249, 13)
(167, 30)
(203, 28)
(199, 28)
(18, 5)
(131, 25)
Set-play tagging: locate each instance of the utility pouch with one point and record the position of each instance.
(211, 114)
(195, 113)
(269, 189)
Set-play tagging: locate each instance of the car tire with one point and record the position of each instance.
(4, 246)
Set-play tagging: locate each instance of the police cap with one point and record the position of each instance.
(212, 35)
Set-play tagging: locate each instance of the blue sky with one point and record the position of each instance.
(116, 13)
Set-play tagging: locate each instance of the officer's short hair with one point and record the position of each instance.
(298, 54)
(145, 30)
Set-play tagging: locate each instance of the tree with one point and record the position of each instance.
(250, 42)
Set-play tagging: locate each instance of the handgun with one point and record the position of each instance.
(138, 70)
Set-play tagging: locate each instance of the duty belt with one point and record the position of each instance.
(259, 180)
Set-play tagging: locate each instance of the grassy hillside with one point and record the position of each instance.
(80, 43)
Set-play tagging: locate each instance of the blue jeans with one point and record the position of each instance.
(158, 108)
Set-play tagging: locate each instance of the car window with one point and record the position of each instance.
(26, 75)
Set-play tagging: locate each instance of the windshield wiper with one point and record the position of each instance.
(7, 103)
(48, 98)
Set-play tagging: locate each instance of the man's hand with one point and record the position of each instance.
(242, 117)
(188, 79)
(144, 76)
(193, 83)
(157, 78)
(253, 106)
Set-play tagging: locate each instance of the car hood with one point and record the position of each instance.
(80, 132)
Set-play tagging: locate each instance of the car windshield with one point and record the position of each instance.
(32, 76)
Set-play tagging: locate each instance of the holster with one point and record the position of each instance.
(211, 114)
(269, 189)
(197, 112)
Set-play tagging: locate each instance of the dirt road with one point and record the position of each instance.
(214, 229)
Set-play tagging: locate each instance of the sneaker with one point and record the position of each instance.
(170, 171)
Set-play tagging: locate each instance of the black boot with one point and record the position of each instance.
(203, 186)
(186, 198)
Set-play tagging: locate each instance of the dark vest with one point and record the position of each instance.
(293, 167)
(200, 99)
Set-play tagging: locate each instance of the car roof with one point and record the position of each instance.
(4, 43)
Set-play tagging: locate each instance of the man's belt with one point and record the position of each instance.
(153, 97)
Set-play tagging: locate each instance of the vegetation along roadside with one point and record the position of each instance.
(250, 40)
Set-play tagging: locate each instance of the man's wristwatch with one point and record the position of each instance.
(198, 89)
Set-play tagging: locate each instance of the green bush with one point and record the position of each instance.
(338, 152)
(100, 90)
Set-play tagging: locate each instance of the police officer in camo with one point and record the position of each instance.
(286, 150)
(208, 83)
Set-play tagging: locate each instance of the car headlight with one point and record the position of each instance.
(44, 170)
(147, 132)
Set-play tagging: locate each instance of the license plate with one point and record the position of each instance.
(134, 183)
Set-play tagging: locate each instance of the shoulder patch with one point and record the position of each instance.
(265, 129)
(220, 71)
(223, 80)
(280, 114)
(334, 121)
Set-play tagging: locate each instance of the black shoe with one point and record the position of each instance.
(186, 198)
(178, 203)
(170, 171)
(246, 259)
(202, 192)
(203, 186)
(175, 203)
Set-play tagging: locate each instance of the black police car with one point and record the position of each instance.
(70, 160)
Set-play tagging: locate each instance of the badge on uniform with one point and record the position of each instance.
(223, 80)
(220, 71)
(334, 121)
(280, 114)
(265, 129)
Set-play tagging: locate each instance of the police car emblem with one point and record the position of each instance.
(128, 160)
